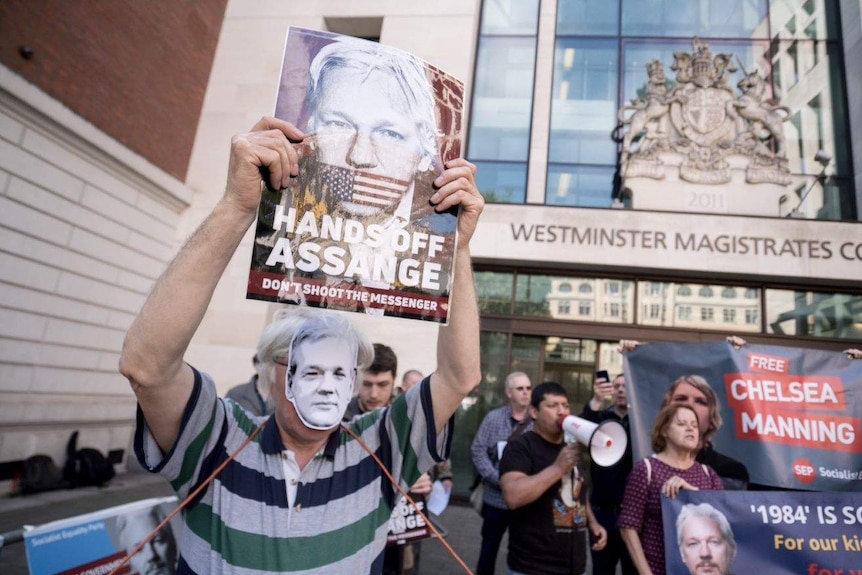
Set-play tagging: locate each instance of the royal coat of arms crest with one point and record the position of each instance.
(705, 121)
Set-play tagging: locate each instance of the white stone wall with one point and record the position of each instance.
(242, 88)
(85, 228)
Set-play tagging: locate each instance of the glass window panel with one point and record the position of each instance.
(503, 99)
(804, 19)
(527, 354)
(502, 183)
(510, 17)
(494, 290)
(708, 18)
(583, 108)
(810, 85)
(585, 186)
(605, 301)
(814, 314)
(697, 307)
(637, 54)
(587, 17)
(831, 198)
(571, 363)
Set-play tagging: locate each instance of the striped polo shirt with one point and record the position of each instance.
(242, 522)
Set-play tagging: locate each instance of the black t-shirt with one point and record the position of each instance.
(547, 536)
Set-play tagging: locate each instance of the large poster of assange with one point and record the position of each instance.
(355, 231)
(791, 416)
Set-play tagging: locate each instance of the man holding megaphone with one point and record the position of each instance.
(543, 484)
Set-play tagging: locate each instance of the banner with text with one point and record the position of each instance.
(97, 543)
(724, 532)
(790, 415)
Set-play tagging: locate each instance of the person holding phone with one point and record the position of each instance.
(608, 483)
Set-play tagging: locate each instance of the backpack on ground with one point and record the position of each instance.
(86, 466)
(40, 474)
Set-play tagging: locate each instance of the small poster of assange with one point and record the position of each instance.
(355, 230)
(774, 533)
(98, 542)
(791, 416)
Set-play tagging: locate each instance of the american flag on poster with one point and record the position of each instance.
(361, 187)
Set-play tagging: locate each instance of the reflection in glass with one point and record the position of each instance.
(814, 314)
(584, 102)
(595, 299)
(502, 182)
(585, 186)
(502, 100)
(510, 17)
(816, 105)
(706, 18)
(587, 17)
(698, 307)
(527, 355)
(571, 363)
(637, 53)
(805, 19)
(495, 292)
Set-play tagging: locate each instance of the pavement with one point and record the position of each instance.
(462, 524)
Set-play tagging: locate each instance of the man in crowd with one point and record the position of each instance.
(544, 487)
(609, 483)
(486, 449)
(252, 395)
(377, 386)
(410, 378)
(706, 541)
(300, 486)
(159, 556)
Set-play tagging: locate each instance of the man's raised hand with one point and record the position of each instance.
(457, 186)
(264, 151)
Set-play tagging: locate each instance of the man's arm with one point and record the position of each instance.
(152, 356)
(602, 389)
(520, 489)
(636, 550)
(458, 368)
(479, 452)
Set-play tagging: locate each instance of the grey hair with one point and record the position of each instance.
(706, 511)
(511, 377)
(290, 327)
(368, 57)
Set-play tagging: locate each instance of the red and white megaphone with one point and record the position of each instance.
(606, 441)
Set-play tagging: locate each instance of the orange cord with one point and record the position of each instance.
(187, 500)
(408, 498)
(251, 437)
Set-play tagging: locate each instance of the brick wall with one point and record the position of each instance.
(137, 70)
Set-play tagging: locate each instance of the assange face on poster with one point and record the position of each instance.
(355, 230)
(775, 533)
(790, 415)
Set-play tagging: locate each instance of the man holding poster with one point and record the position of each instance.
(301, 497)
(356, 229)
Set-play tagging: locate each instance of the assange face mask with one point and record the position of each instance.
(320, 381)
